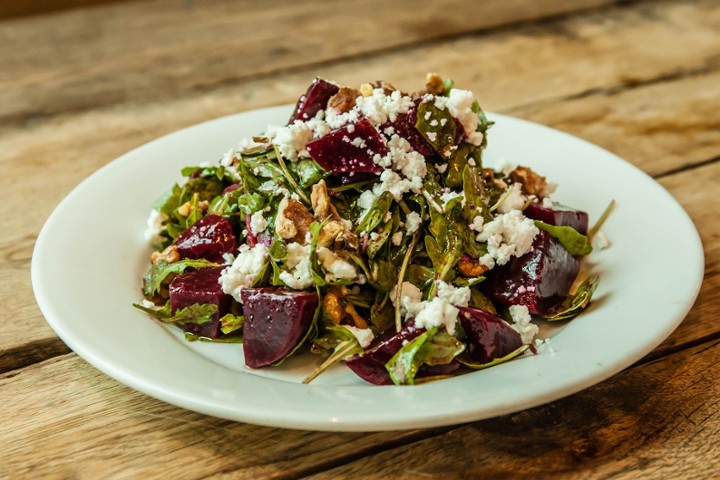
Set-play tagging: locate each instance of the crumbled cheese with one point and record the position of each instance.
(410, 299)
(291, 140)
(365, 201)
(358, 142)
(228, 158)
(477, 223)
(547, 203)
(228, 258)
(459, 104)
(244, 269)
(508, 234)
(412, 222)
(364, 336)
(392, 182)
(397, 238)
(441, 168)
(514, 199)
(522, 323)
(336, 267)
(148, 304)
(448, 196)
(438, 313)
(380, 108)
(258, 223)
(459, 296)
(154, 225)
(297, 274)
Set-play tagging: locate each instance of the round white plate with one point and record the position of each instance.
(90, 257)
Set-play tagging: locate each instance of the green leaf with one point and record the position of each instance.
(309, 172)
(169, 202)
(574, 242)
(154, 277)
(376, 214)
(404, 365)
(196, 313)
(456, 165)
(483, 123)
(470, 363)
(230, 323)
(576, 303)
(250, 203)
(477, 197)
(345, 345)
(437, 126)
(374, 245)
(442, 349)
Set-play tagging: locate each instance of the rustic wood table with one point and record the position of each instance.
(80, 87)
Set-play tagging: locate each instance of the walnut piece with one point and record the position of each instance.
(434, 84)
(169, 255)
(344, 99)
(293, 220)
(532, 183)
(471, 268)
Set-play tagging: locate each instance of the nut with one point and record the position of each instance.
(434, 84)
(293, 220)
(169, 255)
(532, 183)
(471, 268)
(344, 99)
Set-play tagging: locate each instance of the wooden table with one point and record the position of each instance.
(80, 87)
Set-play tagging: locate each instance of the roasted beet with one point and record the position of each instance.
(276, 319)
(404, 125)
(489, 336)
(350, 149)
(558, 215)
(208, 238)
(370, 366)
(200, 286)
(314, 100)
(540, 279)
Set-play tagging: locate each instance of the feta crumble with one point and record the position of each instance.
(336, 267)
(364, 336)
(244, 269)
(522, 323)
(258, 223)
(509, 234)
(154, 226)
(412, 222)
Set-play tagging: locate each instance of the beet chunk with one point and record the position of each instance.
(488, 335)
(559, 215)
(200, 286)
(404, 125)
(540, 279)
(208, 238)
(276, 319)
(314, 100)
(350, 149)
(370, 366)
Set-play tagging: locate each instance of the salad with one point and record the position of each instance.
(367, 230)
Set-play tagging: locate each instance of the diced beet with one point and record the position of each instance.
(540, 279)
(350, 149)
(404, 125)
(314, 100)
(489, 336)
(276, 319)
(200, 286)
(558, 215)
(208, 238)
(370, 366)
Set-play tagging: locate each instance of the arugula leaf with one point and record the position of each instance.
(154, 277)
(437, 126)
(250, 203)
(309, 172)
(456, 165)
(575, 303)
(477, 197)
(374, 246)
(433, 347)
(343, 343)
(196, 313)
(483, 122)
(376, 214)
(169, 202)
(230, 323)
(475, 365)
(574, 242)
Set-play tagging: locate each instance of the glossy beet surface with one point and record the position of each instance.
(370, 366)
(200, 286)
(350, 149)
(314, 100)
(540, 279)
(276, 319)
(208, 238)
(404, 125)
(558, 215)
(489, 336)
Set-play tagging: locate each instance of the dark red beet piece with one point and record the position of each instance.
(276, 319)
(370, 366)
(540, 279)
(208, 238)
(488, 335)
(404, 125)
(336, 152)
(314, 100)
(559, 215)
(200, 286)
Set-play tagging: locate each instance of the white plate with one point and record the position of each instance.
(90, 256)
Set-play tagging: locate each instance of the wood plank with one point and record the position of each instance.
(89, 426)
(71, 421)
(37, 7)
(659, 420)
(145, 51)
(43, 161)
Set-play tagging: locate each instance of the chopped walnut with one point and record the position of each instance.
(330, 231)
(532, 183)
(356, 318)
(332, 306)
(434, 84)
(344, 99)
(366, 90)
(471, 268)
(169, 255)
(320, 201)
(185, 209)
(293, 220)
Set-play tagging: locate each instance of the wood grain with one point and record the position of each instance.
(88, 58)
